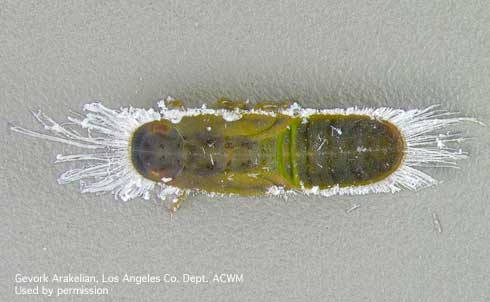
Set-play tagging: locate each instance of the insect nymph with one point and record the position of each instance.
(270, 148)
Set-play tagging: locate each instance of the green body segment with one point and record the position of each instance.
(250, 155)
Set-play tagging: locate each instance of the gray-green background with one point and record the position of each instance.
(58, 55)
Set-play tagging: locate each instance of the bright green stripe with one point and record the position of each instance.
(292, 152)
(279, 153)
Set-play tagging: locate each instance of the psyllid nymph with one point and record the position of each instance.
(236, 148)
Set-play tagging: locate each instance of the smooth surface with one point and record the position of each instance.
(59, 55)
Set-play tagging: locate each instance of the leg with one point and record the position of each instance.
(273, 106)
(224, 103)
(174, 104)
(177, 202)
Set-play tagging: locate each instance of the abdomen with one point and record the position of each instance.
(346, 150)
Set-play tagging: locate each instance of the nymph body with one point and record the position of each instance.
(270, 148)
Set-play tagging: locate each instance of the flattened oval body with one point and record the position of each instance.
(234, 147)
(250, 155)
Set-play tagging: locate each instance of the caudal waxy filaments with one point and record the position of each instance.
(265, 149)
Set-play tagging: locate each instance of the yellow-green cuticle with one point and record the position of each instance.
(249, 155)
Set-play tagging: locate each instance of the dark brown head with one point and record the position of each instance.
(156, 150)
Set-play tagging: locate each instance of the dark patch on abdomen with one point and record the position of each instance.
(349, 150)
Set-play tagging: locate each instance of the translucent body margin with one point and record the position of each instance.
(108, 167)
